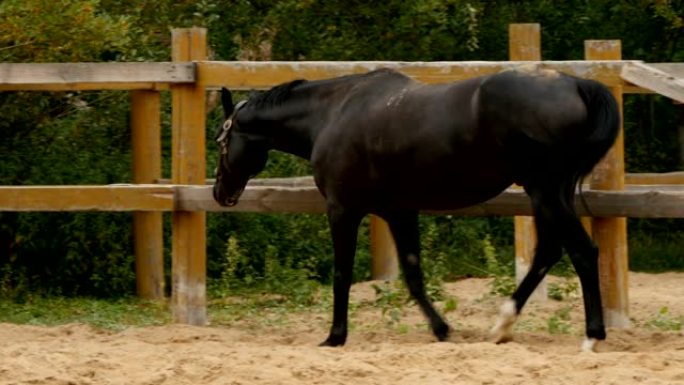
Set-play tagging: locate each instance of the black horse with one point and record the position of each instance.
(385, 144)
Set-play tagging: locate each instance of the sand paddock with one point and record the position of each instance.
(402, 353)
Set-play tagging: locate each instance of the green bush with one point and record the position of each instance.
(84, 137)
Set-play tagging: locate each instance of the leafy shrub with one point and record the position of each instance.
(84, 138)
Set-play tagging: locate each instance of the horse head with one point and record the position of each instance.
(243, 150)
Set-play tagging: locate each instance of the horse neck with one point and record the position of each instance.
(297, 122)
(293, 131)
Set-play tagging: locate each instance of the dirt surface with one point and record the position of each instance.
(380, 350)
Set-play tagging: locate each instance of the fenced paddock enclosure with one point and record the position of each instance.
(611, 194)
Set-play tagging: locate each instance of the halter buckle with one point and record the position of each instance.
(226, 129)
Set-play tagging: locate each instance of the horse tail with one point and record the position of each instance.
(603, 125)
(603, 122)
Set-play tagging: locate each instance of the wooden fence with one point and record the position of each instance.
(188, 197)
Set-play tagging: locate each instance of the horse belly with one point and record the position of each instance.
(413, 191)
(452, 191)
(453, 186)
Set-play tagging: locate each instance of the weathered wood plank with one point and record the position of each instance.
(87, 198)
(610, 234)
(665, 178)
(652, 187)
(148, 234)
(297, 181)
(188, 166)
(674, 69)
(261, 199)
(85, 86)
(109, 75)
(261, 75)
(652, 78)
(383, 250)
(637, 201)
(640, 202)
(255, 75)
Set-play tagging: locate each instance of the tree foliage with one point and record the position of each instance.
(84, 137)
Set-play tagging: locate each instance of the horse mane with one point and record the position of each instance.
(282, 92)
(276, 95)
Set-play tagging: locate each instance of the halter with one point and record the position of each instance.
(227, 125)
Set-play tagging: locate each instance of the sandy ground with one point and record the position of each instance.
(379, 350)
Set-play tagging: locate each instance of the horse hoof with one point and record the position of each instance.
(332, 342)
(502, 331)
(589, 345)
(502, 338)
(442, 332)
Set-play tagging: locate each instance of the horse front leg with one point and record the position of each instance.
(404, 228)
(344, 225)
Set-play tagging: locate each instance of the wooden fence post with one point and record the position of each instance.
(611, 233)
(189, 167)
(680, 132)
(524, 43)
(383, 250)
(147, 225)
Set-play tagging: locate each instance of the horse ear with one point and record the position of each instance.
(226, 102)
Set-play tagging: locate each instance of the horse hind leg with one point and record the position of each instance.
(584, 257)
(547, 254)
(404, 228)
(558, 226)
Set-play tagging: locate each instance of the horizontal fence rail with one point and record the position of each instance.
(647, 178)
(298, 195)
(87, 198)
(643, 202)
(93, 76)
(245, 75)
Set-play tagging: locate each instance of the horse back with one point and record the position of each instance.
(391, 133)
(397, 143)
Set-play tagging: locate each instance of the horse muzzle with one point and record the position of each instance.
(227, 200)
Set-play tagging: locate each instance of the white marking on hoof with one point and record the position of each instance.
(502, 331)
(589, 345)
